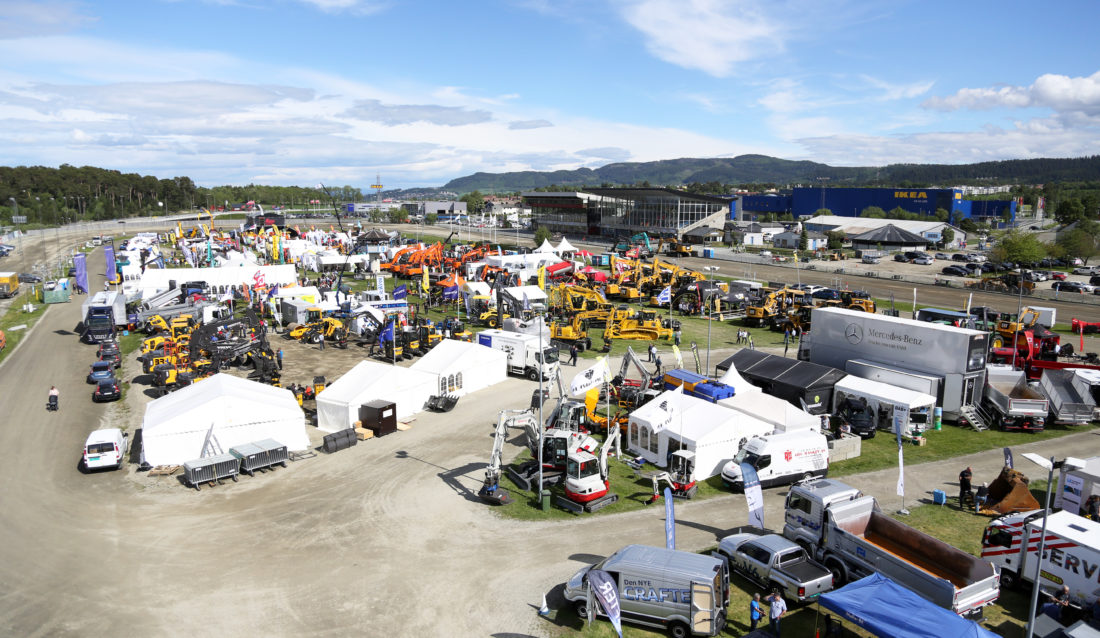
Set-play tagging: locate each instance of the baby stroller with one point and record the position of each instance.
(51, 405)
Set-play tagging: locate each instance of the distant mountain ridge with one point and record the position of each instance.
(745, 169)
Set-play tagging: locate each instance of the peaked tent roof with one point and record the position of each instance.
(890, 234)
(546, 247)
(376, 234)
(566, 247)
(881, 606)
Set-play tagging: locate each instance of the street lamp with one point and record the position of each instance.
(1049, 465)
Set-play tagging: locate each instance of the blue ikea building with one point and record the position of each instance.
(850, 202)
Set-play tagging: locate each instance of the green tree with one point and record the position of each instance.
(1069, 211)
(942, 214)
(948, 236)
(804, 240)
(835, 239)
(1018, 247)
(475, 201)
(822, 211)
(1082, 241)
(542, 233)
(430, 219)
(873, 212)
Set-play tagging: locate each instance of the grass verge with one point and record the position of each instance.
(16, 316)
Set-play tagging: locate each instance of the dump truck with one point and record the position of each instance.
(1070, 557)
(845, 530)
(1011, 403)
(9, 284)
(1068, 406)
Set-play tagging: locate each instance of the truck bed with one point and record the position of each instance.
(1014, 391)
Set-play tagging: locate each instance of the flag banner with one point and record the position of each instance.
(670, 520)
(80, 265)
(1008, 458)
(754, 497)
(526, 302)
(273, 291)
(607, 592)
(665, 296)
(111, 271)
(426, 284)
(588, 379)
(387, 334)
(901, 418)
(901, 473)
(450, 293)
(400, 292)
(380, 283)
(679, 357)
(542, 278)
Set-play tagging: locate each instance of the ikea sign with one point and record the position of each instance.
(910, 195)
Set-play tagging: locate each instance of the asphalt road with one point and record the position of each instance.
(387, 538)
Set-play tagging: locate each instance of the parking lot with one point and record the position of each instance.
(385, 538)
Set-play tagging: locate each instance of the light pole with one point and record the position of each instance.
(1049, 465)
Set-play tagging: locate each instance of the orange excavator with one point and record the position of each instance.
(470, 256)
(401, 257)
(421, 259)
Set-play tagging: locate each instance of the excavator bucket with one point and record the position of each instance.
(1009, 493)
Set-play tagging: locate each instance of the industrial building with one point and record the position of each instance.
(610, 212)
(850, 202)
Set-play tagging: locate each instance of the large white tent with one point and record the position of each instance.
(338, 405)
(240, 411)
(462, 367)
(781, 414)
(155, 280)
(546, 247)
(672, 421)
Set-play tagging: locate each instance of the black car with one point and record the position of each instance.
(71, 272)
(956, 271)
(901, 257)
(108, 351)
(988, 267)
(28, 278)
(826, 293)
(106, 391)
(1068, 286)
(958, 257)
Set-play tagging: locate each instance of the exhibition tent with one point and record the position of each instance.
(733, 378)
(236, 410)
(565, 247)
(781, 414)
(885, 608)
(338, 405)
(462, 367)
(546, 247)
(156, 280)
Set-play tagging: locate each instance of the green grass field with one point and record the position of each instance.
(15, 316)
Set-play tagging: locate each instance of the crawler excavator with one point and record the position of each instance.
(575, 332)
(587, 480)
(680, 477)
(630, 394)
(645, 325)
(774, 306)
(490, 491)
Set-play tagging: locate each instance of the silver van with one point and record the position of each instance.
(681, 592)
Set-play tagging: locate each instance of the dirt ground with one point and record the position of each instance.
(386, 538)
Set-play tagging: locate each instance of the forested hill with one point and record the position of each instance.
(761, 169)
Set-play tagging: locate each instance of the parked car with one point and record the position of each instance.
(1069, 286)
(808, 288)
(1095, 280)
(987, 267)
(1059, 275)
(28, 278)
(1035, 275)
(101, 371)
(108, 351)
(943, 256)
(923, 260)
(773, 561)
(104, 448)
(106, 391)
(958, 257)
(956, 271)
(826, 293)
(901, 257)
(71, 272)
(1085, 270)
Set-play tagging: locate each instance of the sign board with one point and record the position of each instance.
(19, 219)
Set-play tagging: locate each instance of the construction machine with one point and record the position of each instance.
(645, 325)
(774, 306)
(1009, 326)
(628, 393)
(400, 257)
(678, 248)
(490, 491)
(574, 332)
(1010, 283)
(680, 477)
(798, 319)
(1008, 493)
(858, 300)
(587, 481)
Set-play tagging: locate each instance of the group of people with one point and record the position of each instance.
(744, 338)
(777, 607)
(654, 357)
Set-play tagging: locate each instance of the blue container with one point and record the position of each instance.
(678, 376)
(939, 497)
(713, 392)
(708, 253)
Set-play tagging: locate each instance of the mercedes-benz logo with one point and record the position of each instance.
(853, 333)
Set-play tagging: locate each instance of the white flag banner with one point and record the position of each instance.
(901, 473)
(589, 378)
(679, 357)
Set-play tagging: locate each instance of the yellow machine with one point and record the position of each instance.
(775, 305)
(575, 331)
(316, 328)
(1009, 327)
(677, 248)
(645, 325)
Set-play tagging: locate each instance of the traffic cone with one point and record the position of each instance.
(544, 610)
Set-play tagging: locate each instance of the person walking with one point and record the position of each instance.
(321, 343)
(964, 487)
(652, 351)
(676, 336)
(279, 358)
(573, 355)
(658, 361)
(777, 607)
(756, 611)
(752, 346)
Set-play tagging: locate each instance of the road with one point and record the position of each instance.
(387, 538)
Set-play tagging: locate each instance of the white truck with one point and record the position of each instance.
(844, 530)
(780, 459)
(1071, 555)
(682, 592)
(525, 358)
(1011, 403)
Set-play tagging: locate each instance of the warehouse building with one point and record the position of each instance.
(850, 202)
(611, 212)
(852, 227)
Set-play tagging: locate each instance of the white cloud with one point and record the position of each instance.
(396, 114)
(891, 91)
(1062, 94)
(32, 19)
(358, 7)
(708, 35)
(521, 125)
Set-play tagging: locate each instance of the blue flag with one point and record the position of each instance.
(754, 498)
(665, 296)
(1008, 458)
(400, 292)
(271, 293)
(112, 270)
(80, 265)
(603, 586)
(387, 333)
(670, 520)
(450, 293)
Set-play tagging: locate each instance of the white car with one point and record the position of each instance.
(104, 448)
(923, 261)
(1085, 270)
(765, 253)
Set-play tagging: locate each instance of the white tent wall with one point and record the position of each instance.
(713, 432)
(338, 405)
(781, 414)
(461, 368)
(241, 411)
(883, 397)
(155, 280)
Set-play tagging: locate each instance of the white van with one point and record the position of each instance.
(780, 459)
(682, 592)
(105, 448)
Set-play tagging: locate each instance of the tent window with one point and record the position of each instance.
(458, 381)
(451, 382)
(633, 436)
(443, 385)
(653, 440)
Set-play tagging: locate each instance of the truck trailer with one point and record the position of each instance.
(908, 354)
(1068, 405)
(9, 284)
(525, 358)
(845, 531)
(1011, 403)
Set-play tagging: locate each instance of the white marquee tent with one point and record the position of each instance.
(565, 247)
(240, 411)
(338, 405)
(462, 367)
(546, 247)
(672, 421)
(155, 280)
(778, 412)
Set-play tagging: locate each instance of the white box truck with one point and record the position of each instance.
(682, 592)
(844, 530)
(780, 459)
(1071, 555)
(915, 350)
(524, 355)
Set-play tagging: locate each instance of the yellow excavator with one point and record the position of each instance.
(774, 306)
(1009, 327)
(644, 325)
(574, 331)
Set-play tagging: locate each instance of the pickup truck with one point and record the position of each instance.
(776, 563)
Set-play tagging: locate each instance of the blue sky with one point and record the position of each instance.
(336, 91)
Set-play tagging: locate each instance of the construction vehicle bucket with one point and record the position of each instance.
(1009, 493)
(318, 384)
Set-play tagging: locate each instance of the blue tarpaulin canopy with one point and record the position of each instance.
(884, 608)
